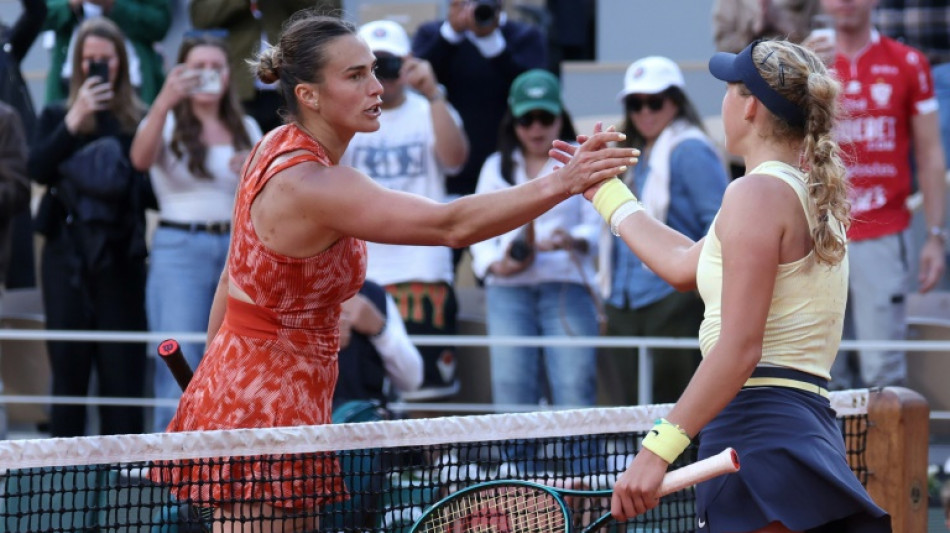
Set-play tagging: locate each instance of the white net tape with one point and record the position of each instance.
(110, 449)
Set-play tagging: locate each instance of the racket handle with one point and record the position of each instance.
(725, 462)
(170, 351)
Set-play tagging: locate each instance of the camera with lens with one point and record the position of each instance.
(523, 246)
(486, 11)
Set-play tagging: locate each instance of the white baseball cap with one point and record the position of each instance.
(651, 75)
(386, 36)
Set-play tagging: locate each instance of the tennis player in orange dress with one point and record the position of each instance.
(297, 252)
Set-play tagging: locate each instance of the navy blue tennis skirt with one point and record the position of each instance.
(794, 468)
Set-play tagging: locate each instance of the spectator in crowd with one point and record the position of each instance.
(250, 25)
(736, 23)
(537, 277)
(890, 131)
(14, 198)
(377, 360)
(476, 53)
(194, 139)
(144, 23)
(924, 25)
(681, 180)
(420, 139)
(93, 220)
(15, 42)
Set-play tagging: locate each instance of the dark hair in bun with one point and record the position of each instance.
(300, 55)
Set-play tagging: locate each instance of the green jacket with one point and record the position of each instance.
(144, 23)
(244, 30)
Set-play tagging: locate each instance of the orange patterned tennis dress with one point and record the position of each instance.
(274, 363)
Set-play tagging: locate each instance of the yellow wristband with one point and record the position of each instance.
(610, 196)
(666, 440)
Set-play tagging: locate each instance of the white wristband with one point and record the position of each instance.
(621, 213)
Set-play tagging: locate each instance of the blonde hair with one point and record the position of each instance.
(125, 104)
(800, 76)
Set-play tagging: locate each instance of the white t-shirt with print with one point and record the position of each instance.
(401, 156)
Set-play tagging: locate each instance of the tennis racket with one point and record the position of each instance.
(170, 352)
(512, 506)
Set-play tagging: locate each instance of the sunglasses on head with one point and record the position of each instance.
(526, 120)
(654, 102)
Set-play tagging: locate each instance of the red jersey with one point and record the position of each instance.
(884, 87)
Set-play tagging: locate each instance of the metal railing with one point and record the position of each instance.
(644, 345)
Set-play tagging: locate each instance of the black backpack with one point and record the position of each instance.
(13, 89)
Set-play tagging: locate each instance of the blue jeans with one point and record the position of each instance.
(941, 74)
(184, 269)
(523, 374)
(546, 309)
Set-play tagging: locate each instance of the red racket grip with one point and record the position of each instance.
(170, 352)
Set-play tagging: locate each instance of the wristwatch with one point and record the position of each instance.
(939, 232)
(439, 93)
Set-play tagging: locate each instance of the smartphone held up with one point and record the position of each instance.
(99, 69)
(209, 81)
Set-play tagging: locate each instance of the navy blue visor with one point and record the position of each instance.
(735, 68)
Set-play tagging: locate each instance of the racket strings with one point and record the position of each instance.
(499, 510)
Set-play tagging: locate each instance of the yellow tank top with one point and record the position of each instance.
(803, 329)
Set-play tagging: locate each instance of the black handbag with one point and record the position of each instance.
(95, 189)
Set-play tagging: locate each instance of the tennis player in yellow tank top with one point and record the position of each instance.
(773, 273)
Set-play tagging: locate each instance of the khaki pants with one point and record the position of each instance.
(677, 315)
(877, 286)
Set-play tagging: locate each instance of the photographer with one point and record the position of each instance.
(536, 278)
(476, 54)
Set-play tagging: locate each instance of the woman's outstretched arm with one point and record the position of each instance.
(308, 207)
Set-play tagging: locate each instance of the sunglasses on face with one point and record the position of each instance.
(653, 102)
(388, 67)
(526, 120)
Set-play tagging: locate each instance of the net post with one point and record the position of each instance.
(898, 435)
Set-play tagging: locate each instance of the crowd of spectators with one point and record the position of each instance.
(470, 103)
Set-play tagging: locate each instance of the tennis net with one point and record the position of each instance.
(290, 479)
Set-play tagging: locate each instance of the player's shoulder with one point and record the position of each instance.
(759, 190)
(761, 198)
(310, 182)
